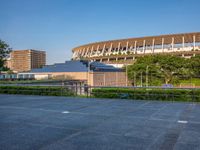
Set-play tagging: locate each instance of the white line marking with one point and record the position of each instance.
(182, 121)
(65, 112)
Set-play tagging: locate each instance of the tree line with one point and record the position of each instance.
(163, 69)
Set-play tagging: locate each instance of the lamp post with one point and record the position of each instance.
(126, 76)
(147, 69)
(88, 74)
(135, 79)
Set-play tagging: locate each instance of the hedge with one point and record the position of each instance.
(35, 90)
(148, 94)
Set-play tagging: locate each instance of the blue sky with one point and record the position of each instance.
(57, 26)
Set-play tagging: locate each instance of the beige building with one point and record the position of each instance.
(91, 78)
(25, 60)
(97, 74)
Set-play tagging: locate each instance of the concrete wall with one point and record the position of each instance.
(42, 76)
(65, 75)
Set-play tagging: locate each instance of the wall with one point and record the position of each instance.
(66, 75)
(108, 79)
(94, 78)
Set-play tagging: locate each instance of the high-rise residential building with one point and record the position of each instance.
(25, 60)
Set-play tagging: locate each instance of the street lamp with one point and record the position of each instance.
(135, 79)
(88, 72)
(126, 76)
(147, 69)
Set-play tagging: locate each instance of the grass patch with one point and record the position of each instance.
(192, 81)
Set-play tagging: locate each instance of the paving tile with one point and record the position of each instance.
(120, 125)
(26, 136)
(186, 146)
(190, 137)
(91, 141)
(37, 122)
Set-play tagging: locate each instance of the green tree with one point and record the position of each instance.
(10, 72)
(162, 68)
(195, 65)
(172, 67)
(4, 52)
(144, 66)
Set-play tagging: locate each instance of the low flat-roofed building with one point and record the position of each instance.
(94, 73)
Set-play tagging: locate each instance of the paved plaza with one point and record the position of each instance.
(47, 122)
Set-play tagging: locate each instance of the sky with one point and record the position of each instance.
(57, 26)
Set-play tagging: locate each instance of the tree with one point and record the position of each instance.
(144, 67)
(10, 72)
(172, 67)
(4, 52)
(162, 68)
(195, 65)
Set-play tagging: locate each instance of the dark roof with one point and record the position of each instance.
(97, 66)
(76, 66)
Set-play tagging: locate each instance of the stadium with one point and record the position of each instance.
(125, 51)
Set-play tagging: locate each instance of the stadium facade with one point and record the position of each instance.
(126, 50)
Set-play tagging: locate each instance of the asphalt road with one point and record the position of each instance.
(42, 122)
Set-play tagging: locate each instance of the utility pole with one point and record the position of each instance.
(147, 68)
(88, 75)
(104, 79)
(116, 76)
(134, 79)
(126, 76)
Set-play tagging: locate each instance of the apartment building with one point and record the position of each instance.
(25, 60)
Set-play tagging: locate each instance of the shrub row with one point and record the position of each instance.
(35, 90)
(148, 94)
